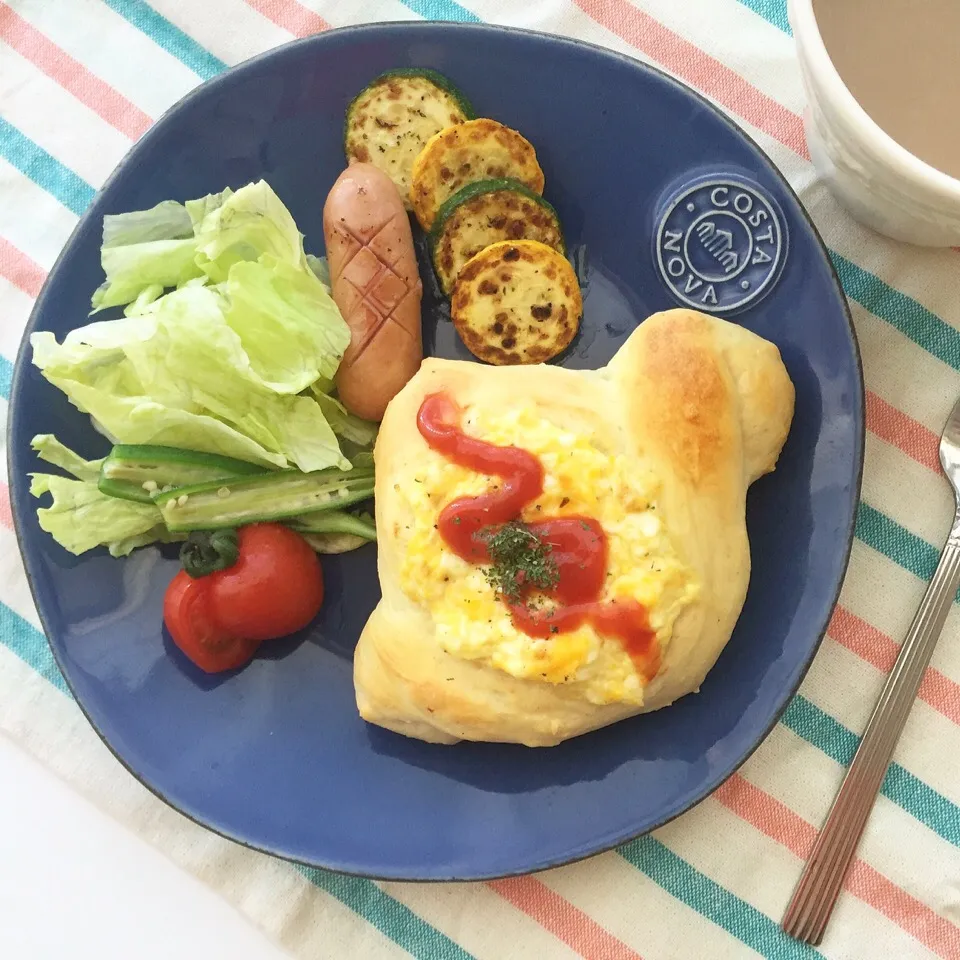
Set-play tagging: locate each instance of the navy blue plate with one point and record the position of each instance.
(658, 193)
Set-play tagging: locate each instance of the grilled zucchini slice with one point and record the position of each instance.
(486, 212)
(476, 150)
(390, 120)
(517, 302)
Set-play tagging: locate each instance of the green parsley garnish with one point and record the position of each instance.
(520, 561)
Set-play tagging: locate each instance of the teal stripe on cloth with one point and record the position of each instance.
(389, 916)
(908, 792)
(739, 918)
(911, 318)
(896, 543)
(392, 918)
(43, 169)
(30, 645)
(171, 38)
(773, 11)
(6, 377)
(441, 10)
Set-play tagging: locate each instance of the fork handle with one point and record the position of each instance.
(822, 877)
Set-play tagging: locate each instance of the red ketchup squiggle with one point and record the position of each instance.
(578, 544)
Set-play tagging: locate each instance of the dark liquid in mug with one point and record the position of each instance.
(901, 61)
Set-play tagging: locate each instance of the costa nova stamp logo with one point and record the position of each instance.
(721, 244)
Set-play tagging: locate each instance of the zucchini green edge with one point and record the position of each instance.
(434, 76)
(477, 189)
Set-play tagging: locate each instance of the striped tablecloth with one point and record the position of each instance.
(80, 80)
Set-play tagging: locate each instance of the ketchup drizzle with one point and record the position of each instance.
(579, 544)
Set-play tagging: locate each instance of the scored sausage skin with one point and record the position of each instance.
(376, 285)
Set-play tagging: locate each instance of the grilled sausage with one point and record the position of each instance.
(375, 283)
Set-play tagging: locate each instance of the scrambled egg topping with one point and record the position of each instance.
(579, 478)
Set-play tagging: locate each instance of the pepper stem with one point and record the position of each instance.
(206, 552)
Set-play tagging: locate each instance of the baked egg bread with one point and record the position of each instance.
(659, 447)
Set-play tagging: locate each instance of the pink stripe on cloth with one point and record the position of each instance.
(691, 64)
(6, 514)
(937, 690)
(777, 821)
(291, 16)
(75, 78)
(566, 922)
(903, 432)
(20, 270)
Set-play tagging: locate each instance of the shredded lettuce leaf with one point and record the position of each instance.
(198, 209)
(322, 385)
(168, 220)
(222, 363)
(344, 423)
(321, 269)
(229, 344)
(130, 270)
(287, 323)
(183, 380)
(49, 448)
(144, 299)
(145, 249)
(81, 517)
(157, 534)
(244, 226)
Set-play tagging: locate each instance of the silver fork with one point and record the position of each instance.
(822, 878)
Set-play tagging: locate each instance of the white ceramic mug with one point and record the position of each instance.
(880, 183)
